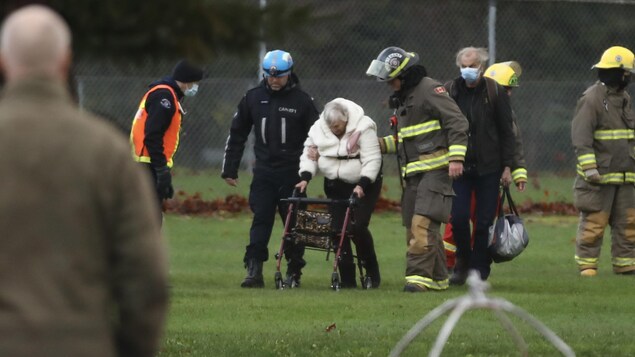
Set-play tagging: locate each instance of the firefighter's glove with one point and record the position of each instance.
(164, 182)
(592, 175)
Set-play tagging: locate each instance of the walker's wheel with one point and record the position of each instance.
(278, 279)
(367, 283)
(335, 282)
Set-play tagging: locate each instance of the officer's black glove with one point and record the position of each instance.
(164, 182)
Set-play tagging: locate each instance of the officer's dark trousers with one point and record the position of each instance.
(363, 239)
(486, 188)
(153, 177)
(267, 188)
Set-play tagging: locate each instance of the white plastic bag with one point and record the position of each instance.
(507, 236)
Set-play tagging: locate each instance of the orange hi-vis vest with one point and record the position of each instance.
(170, 137)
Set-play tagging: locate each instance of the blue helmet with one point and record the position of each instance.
(277, 63)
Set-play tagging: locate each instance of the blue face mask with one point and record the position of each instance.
(190, 92)
(470, 74)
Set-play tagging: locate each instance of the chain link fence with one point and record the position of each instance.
(556, 43)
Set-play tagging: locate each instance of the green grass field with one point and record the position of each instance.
(210, 315)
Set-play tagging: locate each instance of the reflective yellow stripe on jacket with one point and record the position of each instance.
(520, 174)
(612, 178)
(391, 146)
(457, 150)
(616, 134)
(587, 160)
(427, 163)
(432, 161)
(416, 130)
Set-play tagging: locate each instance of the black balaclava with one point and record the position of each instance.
(613, 77)
(410, 79)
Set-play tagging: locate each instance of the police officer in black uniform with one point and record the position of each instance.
(280, 114)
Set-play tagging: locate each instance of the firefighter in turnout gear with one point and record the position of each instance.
(602, 133)
(431, 143)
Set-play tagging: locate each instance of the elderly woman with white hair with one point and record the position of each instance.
(350, 159)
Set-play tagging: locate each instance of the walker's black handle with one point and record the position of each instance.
(320, 201)
(353, 200)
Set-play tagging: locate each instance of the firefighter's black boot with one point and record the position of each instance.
(254, 277)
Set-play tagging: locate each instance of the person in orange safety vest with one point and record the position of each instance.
(155, 130)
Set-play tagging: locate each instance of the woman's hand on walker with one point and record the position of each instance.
(302, 185)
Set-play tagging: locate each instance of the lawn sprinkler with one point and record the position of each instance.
(476, 298)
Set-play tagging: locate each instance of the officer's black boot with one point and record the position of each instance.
(254, 277)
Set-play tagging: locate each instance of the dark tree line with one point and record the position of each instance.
(198, 29)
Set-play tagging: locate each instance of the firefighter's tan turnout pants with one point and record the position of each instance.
(426, 203)
(599, 206)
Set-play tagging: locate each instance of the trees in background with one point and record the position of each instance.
(199, 29)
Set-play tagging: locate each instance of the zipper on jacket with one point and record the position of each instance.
(263, 129)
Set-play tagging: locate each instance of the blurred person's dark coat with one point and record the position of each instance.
(83, 269)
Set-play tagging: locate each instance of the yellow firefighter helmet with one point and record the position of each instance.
(505, 73)
(616, 57)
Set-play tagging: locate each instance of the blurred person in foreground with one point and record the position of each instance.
(155, 130)
(506, 74)
(280, 114)
(84, 268)
(431, 141)
(349, 156)
(604, 142)
(488, 161)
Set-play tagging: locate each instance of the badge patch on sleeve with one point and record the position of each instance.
(440, 90)
(166, 103)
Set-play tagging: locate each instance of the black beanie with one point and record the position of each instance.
(186, 72)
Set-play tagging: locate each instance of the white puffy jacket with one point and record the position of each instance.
(364, 158)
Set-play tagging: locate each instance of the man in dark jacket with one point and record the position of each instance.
(156, 126)
(280, 114)
(84, 268)
(488, 161)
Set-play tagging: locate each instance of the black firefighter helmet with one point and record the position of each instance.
(392, 62)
